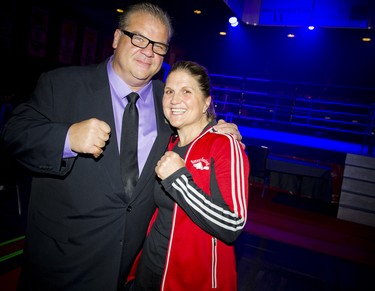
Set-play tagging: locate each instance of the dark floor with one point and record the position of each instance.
(263, 263)
(268, 265)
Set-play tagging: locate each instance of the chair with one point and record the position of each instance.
(258, 165)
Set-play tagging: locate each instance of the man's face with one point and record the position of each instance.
(135, 65)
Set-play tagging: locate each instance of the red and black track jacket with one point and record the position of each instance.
(211, 198)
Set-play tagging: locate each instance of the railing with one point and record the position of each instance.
(338, 113)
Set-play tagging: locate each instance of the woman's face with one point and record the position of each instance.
(183, 101)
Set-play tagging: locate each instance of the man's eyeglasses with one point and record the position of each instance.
(142, 42)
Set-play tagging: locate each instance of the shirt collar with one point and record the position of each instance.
(121, 89)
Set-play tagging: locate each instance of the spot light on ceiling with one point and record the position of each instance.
(328, 13)
(233, 21)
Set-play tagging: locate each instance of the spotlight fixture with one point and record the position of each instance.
(233, 21)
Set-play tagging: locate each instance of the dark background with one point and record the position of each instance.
(328, 55)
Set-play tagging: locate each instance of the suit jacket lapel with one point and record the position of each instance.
(102, 107)
(111, 157)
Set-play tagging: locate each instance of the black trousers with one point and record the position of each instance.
(145, 280)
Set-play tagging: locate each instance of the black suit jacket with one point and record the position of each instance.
(81, 235)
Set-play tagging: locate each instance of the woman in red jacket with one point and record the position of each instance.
(203, 194)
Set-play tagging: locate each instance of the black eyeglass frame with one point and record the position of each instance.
(131, 35)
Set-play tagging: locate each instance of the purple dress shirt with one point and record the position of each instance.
(147, 119)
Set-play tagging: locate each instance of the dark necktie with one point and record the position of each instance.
(129, 144)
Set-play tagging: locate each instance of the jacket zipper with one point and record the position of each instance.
(214, 263)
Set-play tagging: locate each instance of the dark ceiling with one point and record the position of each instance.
(189, 28)
(326, 13)
(330, 55)
(214, 15)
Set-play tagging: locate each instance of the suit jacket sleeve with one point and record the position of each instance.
(35, 133)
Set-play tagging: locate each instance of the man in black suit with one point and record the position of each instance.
(83, 232)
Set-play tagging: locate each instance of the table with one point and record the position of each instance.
(302, 178)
